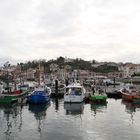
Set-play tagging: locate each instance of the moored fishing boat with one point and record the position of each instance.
(60, 90)
(74, 93)
(130, 93)
(98, 95)
(40, 94)
(9, 97)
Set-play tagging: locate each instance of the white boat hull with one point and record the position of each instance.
(73, 98)
(75, 93)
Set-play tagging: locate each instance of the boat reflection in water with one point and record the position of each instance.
(131, 108)
(74, 108)
(98, 107)
(39, 111)
(12, 114)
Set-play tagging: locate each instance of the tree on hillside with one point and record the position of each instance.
(105, 68)
(80, 64)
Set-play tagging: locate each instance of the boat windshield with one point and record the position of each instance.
(132, 87)
(75, 91)
(39, 93)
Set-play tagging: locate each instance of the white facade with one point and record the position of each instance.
(129, 70)
(62, 74)
(30, 74)
(137, 69)
(54, 67)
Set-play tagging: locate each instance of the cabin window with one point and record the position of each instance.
(132, 87)
(76, 91)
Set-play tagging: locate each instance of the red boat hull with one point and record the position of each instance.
(131, 97)
(127, 97)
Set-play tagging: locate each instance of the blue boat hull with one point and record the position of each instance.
(38, 98)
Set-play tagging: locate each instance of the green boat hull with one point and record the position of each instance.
(98, 98)
(9, 98)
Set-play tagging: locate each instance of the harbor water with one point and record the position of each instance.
(58, 121)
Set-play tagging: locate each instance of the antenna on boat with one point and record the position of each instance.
(131, 81)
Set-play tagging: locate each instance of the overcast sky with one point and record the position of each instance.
(104, 30)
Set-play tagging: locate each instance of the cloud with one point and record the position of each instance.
(102, 30)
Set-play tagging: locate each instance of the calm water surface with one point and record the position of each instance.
(115, 120)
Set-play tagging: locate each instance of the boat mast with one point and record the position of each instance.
(6, 67)
(39, 74)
